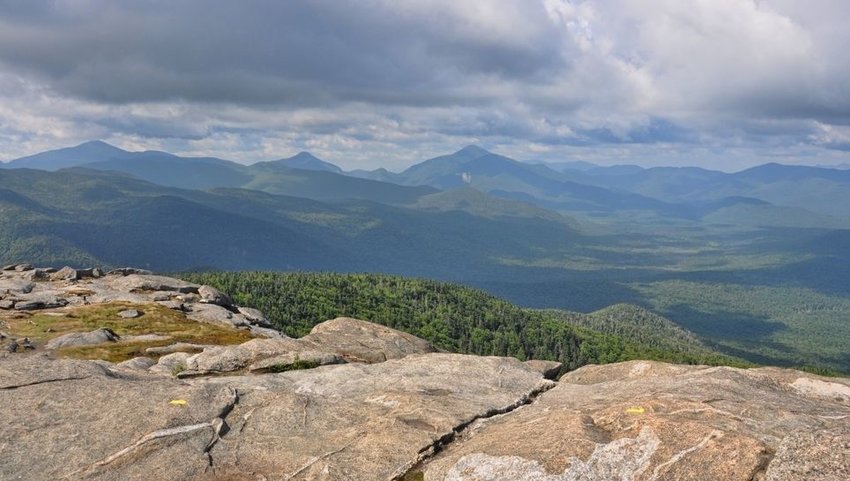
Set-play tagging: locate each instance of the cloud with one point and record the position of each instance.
(381, 82)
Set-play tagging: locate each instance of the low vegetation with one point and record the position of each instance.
(44, 326)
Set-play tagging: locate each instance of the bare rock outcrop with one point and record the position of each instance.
(358, 401)
(351, 421)
(361, 341)
(645, 421)
(331, 342)
(76, 339)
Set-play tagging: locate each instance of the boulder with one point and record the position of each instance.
(255, 316)
(215, 314)
(211, 295)
(126, 271)
(170, 364)
(129, 314)
(7, 304)
(137, 364)
(76, 339)
(361, 341)
(177, 306)
(220, 359)
(95, 272)
(266, 332)
(16, 286)
(35, 275)
(161, 296)
(42, 300)
(29, 305)
(65, 274)
(146, 283)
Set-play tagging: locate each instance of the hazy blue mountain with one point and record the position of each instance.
(774, 172)
(81, 216)
(94, 151)
(751, 212)
(78, 216)
(798, 196)
(170, 170)
(159, 167)
(614, 170)
(276, 178)
(308, 161)
(673, 184)
(475, 202)
(381, 174)
(801, 190)
(538, 184)
(302, 175)
(578, 165)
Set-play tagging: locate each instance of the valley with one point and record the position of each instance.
(755, 275)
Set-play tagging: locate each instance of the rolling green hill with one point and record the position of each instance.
(638, 325)
(278, 178)
(453, 317)
(81, 216)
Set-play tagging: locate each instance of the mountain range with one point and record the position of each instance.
(768, 195)
(572, 235)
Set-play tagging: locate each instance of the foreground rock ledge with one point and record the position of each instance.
(636, 421)
(643, 421)
(86, 420)
(381, 406)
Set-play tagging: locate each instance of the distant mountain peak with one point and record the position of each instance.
(307, 161)
(97, 143)
(87, 152)
(93, 146)
(473, 150)
(304, 155)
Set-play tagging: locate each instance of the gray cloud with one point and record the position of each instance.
(388, 82)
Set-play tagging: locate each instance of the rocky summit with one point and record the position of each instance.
(125, 375)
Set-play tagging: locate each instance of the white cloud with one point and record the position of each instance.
(379, 82)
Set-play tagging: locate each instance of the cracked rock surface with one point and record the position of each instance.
(85, 420)
(646, 421)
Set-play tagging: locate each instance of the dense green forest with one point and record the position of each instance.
(452, 317)
(779, 325)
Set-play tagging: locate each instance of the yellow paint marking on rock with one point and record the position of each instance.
(636, 410)
(178, 402)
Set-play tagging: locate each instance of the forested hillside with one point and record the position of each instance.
(453, 317)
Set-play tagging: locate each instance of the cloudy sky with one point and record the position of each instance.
(365, 83)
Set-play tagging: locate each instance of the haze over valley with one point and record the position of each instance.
(755, 263)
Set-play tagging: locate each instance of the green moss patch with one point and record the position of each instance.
(41, 327)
